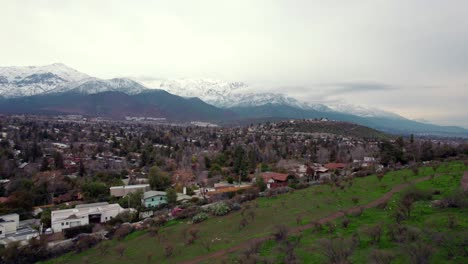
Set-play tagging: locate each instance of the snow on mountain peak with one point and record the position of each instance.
(95, 85)
(19, 81)
(363, 111)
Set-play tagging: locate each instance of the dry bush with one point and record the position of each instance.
(374, 233)
(252, 215)
(243, 223)
(336, 250)
(168, 251)
(120, 250)
(345, 222)
(281, 233)
(378, 256)
(85, 242)
(331, 227)
(298, 220)
(452, 221)
(317, 226)
(122, 231)
(419, 252)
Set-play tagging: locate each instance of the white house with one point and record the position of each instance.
(11, 229)
(8, 224)
(84, 214)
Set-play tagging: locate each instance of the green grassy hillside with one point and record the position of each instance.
(292, 210)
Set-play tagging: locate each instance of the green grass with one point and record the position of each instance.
(311, 204)
(424, 217)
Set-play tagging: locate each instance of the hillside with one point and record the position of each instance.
(345, 129)
(197, 99)
(116, 105)
(222, 239)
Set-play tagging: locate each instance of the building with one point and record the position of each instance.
(335, 166)
(8, 224)
(121, 191)
(154, 198)
(84, 214)
(11, 229)
(275, 180)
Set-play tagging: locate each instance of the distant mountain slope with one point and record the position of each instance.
(95, 85)
(32, 80)
(57, 88)
(115, 105)
(387, 124)
(345, 129)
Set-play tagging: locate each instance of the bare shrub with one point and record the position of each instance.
(355, 200)
(331, 227)
(122, 231)
(243, 223)
(336, 250)
(419, 252)
(206, 243)
(452, 221)
(149, 257)
(252, 215)
(380, 176)
(120, 250)
(378, 256)
(382, 205)
(85, 242)
(345, 222)
(374, 233)
(281, 233)
(358, 212)
(168, 251)
(103, 248)
(298, 220)
(317, 226)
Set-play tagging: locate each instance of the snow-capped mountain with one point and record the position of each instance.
(363, 111)
(95, 85)
(32, 80)
(238, 94)
(225, 94)
(58, 78)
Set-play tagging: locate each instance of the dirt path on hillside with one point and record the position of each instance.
(464, 181)
(383, 199)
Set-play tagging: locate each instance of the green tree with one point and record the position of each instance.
(132, 200)
(58, 160)
(240, 163)
(81, 169)
(260, 183)
(158, 180)
(46, 218)
(171, 195)
(95, 190)
(44, 164)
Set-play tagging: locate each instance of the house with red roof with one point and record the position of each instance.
(335, 166)
(275, 180)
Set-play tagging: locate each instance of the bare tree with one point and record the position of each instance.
(378, 256)
(120, 250)
(336, 250)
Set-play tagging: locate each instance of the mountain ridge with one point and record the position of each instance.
(202, 99)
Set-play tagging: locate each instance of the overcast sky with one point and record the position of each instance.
(409, 57)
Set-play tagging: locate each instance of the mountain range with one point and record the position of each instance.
(59, 89)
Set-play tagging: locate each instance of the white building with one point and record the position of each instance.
(121, 191)
(11, 229)
(8, 224)
(84, 214)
